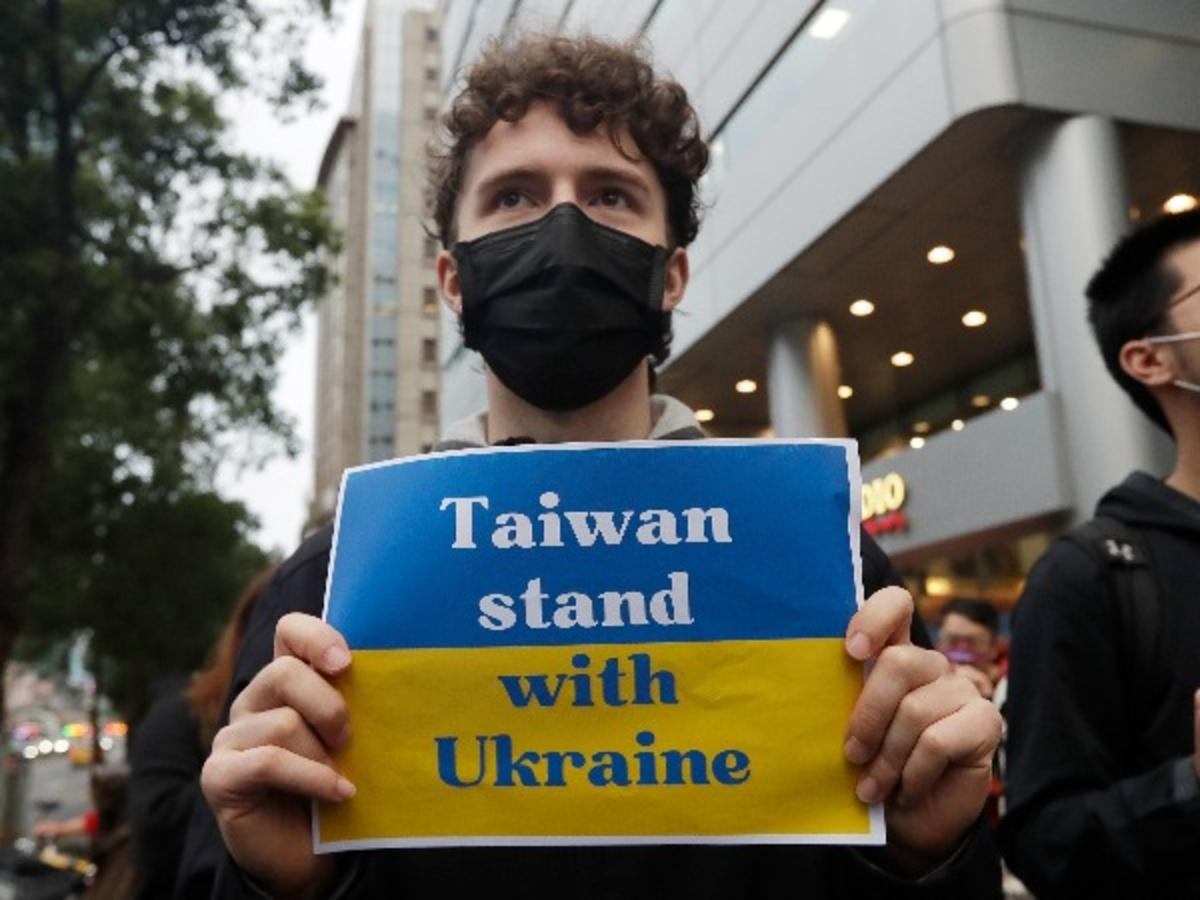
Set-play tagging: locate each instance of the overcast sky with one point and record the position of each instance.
(279, 493)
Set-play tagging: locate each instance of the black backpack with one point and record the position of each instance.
(1122, 552)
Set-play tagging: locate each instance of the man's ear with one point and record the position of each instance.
(448, 282)
(1151, 364)
(676, 279)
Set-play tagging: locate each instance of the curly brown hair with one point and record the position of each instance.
(594, 83)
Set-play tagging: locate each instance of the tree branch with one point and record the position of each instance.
(120, 43)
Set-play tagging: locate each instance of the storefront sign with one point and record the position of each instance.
(883, 502)
(599, 644)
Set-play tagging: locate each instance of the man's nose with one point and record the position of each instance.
(566, 192)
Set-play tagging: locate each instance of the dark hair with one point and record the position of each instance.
(208, 688)
(978, 611)
(1128, 296)
(593, 83)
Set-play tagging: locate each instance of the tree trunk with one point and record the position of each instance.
(28, 416)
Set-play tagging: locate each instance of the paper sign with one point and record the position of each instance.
(593, 644)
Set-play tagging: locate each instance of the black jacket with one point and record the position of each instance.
(164, 788)
(691, 871)
(1102, 794)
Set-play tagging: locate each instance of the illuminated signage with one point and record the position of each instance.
(883, 502)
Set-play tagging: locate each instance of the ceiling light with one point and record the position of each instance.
(980, 401)
(974, 318)
(958, 424)
(921, 427)
(705, 415)
(939, 586)
(862, 307)
(940, 255)
(828, 23)
(1008, 404)
(902, 359)
(1179, 203)
(845, 391)
(916, 442)
(746, 386)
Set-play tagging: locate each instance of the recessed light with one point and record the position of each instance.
(829, 23)
(845, 391)
(958, 424)
(980, 401)
(1008, 404)
(1180, 203)
(746, 386)
(862, 307)
(705, 415)
(916, 442)
(921, 427)
(974, 318)
(940, 255)
(902, 359)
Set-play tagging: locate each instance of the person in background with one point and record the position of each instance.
(969, 636)
(168, 752)
(1103, 762)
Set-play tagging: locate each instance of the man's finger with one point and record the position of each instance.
(286, 681)
(968, 737)
(982, 683)
(230, 776)
(317, 643)
(917, 711)
(282, 727)
(885, 619)
(899, 670)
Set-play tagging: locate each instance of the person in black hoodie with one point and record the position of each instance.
(567, 193)
(1103, 710)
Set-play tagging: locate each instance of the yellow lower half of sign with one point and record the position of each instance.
(631, 740)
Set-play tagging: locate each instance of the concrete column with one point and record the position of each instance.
(1074, 208)
(803, 374)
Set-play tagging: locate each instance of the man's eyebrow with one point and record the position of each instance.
(503, 176)
(629, 177)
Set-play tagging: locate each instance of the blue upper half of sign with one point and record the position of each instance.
(688, 541)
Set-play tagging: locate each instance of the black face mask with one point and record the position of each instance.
(562, 309)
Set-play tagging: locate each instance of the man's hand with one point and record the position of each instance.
(273, 759)
(982, 683)
(922, 734)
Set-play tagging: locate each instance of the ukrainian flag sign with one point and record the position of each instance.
(591, 644)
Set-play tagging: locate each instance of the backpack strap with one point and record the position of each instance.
(1122, 551)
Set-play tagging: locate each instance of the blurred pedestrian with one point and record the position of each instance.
(1103, 715)
(969, 636)
(169, 749)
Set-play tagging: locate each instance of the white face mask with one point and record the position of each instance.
(1176, 339)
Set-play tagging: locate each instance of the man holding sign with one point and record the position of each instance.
(566, 197)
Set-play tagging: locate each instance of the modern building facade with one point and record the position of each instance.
(907, 199)
(377, 333)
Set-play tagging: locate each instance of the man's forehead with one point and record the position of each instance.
(541, 140)
(1184, 259)
(960, 622)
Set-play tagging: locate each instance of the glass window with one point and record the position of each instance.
(791, 74)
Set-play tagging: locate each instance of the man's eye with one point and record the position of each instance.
(613, 197)
(508, 199)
